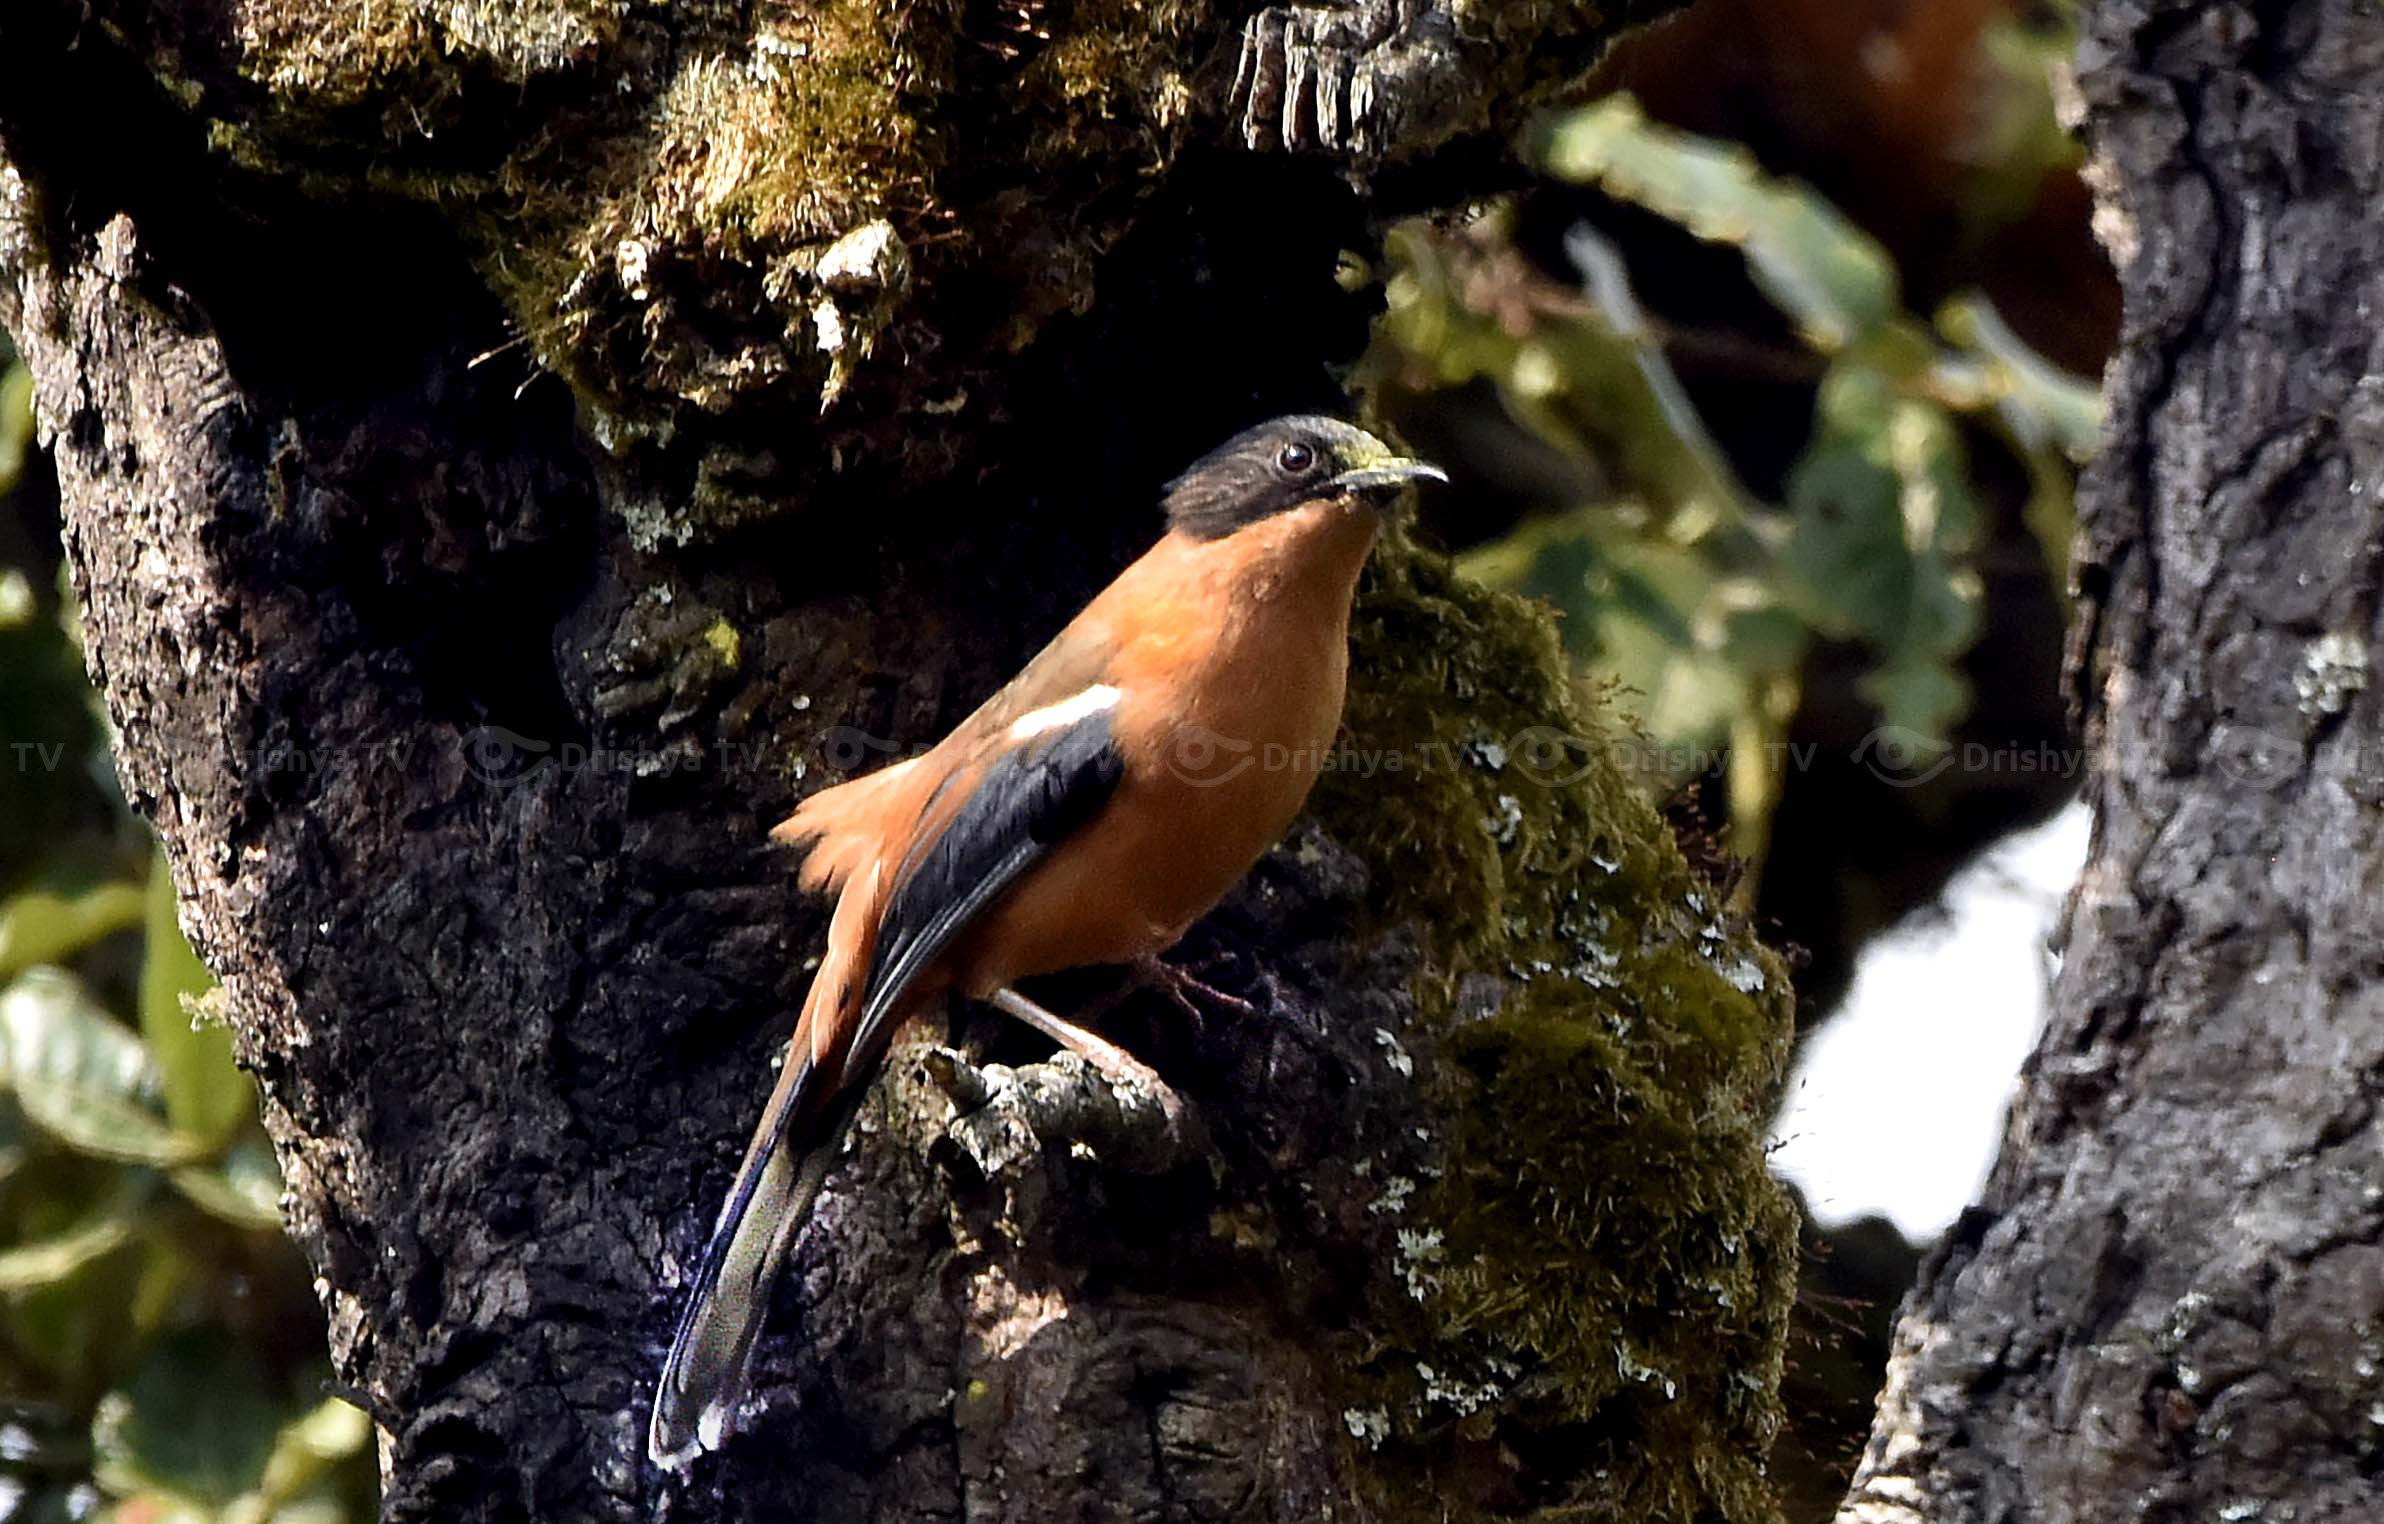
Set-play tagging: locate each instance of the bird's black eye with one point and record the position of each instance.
(1296, 459)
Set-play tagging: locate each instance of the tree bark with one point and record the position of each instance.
(462, 697)
(2170, 1303)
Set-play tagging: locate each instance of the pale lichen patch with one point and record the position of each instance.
(2334, 668)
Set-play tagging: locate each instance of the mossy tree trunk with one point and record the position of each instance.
(510, 452)
(2170, 1304)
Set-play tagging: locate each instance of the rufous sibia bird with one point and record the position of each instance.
(1058, 826)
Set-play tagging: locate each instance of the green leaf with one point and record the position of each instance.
(1883, 523)
(173, 1281)
(16, 421)
(40, 927)
(304, 1455)
(1662, 637)
(24, 1267)
(18, 605)
(82, 1078)
(1844, 564)
(1638, 401)
(1940, 511)
(2019, 139)
(78, 1330)
(157, 1508)
(1551, 558)
(2044, 406)
(243, 1189)
(1765, 639)
(1923, 697)
(206, 1094)
(195, 1423)
(1589, 379)
(1818, 267)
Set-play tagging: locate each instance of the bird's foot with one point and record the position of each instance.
(1193, 995)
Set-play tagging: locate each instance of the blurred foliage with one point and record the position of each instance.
(2018, 138)
(161, 1353)
(1698, 599)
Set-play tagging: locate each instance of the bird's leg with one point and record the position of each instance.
(1111, 1062)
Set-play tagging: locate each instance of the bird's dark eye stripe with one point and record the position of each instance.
(1296, 457)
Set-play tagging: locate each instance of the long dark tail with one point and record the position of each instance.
(703, 1381)
(810, 1110)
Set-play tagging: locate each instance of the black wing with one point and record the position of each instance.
(1025, 803)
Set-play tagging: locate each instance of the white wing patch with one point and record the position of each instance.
(1066, 712)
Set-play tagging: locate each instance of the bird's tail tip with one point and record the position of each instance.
(704, 1380)
(673, 1441)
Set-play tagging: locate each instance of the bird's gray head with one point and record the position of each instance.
(1280, 465)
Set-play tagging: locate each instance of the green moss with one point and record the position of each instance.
(739, 240)
(1604, 1255)
(659, 226)
(1116, 63)
(669, 656)
(718, 206)
(328, 66)
(334, 56)
(721, 636)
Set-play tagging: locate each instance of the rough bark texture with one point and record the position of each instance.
(2170, 1304)
(462, 698)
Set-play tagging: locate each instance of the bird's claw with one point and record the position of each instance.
(1192, 995)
